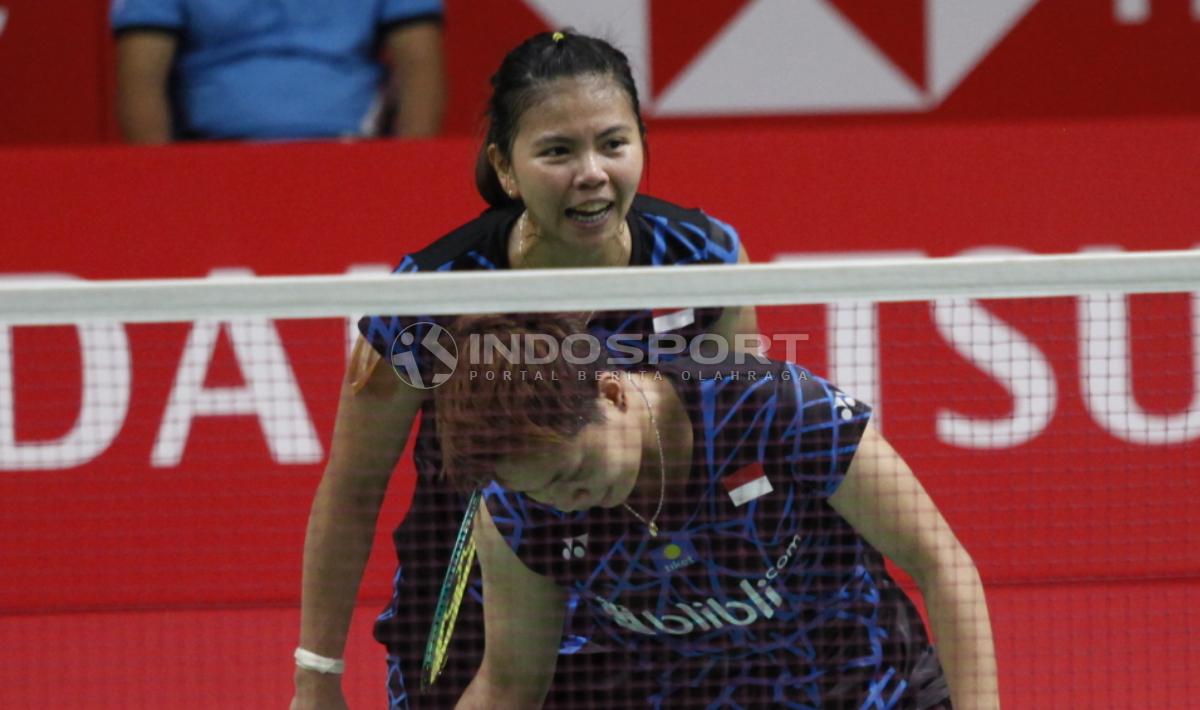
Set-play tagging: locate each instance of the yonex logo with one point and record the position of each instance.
(411, 347)
(845, 406)
(574, 547)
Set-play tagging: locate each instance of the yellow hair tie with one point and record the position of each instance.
(558, 36)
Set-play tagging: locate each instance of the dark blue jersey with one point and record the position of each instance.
(662, 234)
(755, 585)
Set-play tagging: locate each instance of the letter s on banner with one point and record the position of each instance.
(1010, 358)
(106, 384)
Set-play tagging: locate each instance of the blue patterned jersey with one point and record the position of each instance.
(755, 587)
(662, 234)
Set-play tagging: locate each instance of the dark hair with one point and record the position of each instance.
(495, 407)
(523, 76)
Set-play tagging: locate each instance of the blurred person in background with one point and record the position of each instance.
(268, 70)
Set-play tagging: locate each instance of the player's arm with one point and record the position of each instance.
(375, 413)
(739, 324)
(523, 622)
(417, 80)
(887, 505)
(144, 60)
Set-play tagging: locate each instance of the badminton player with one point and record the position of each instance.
(724, 524)
(559, 167)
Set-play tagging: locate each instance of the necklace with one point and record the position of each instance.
(652, 523)
(525, 232)
(522, 231)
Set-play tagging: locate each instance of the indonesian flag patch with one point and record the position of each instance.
(747, 484)
(669, 319)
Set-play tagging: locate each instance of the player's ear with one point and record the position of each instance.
(612, 388)
(503, 170)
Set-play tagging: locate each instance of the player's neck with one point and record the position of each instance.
(675, 431)
(529, 249)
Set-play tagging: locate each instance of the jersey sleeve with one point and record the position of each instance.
(126, 15)
(381, 331)
(399, 12)
(822, 433)
(724, 244)
(546, 540)
(414, 344)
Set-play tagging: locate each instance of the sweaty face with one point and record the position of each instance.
(577, 161)
(598, 467)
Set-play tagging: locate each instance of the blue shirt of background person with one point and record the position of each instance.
(271, 69)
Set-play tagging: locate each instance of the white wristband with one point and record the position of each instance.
(314, 662)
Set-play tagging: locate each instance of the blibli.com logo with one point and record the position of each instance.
(761, 599)
(707, 615)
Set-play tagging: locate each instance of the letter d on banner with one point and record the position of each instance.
(106, 375)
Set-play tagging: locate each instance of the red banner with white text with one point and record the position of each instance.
(159, 465)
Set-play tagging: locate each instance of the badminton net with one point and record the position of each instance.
(161, 442)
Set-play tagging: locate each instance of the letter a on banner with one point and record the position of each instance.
(270, 393)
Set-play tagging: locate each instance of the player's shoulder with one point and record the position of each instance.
(740, 382)
(733, 367)
(478, 244)
(743, 383)
(686, 234)
(650, 205)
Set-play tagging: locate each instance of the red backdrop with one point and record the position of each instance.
(913, 126)
(907, 60)
(223, 526)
